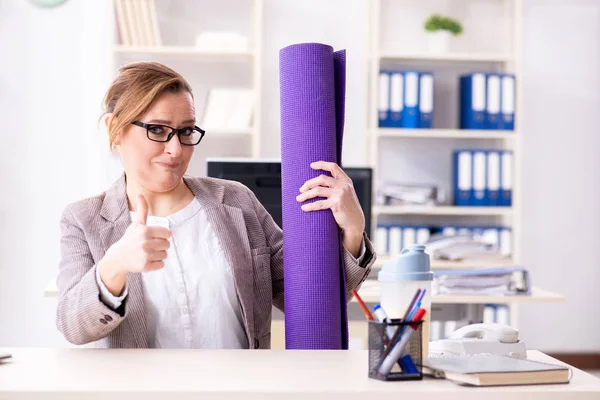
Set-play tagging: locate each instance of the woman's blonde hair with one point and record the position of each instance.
(134, 90)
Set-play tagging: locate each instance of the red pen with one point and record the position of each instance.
(363, 306)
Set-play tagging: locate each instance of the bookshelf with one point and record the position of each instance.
(175, 34)
(491, 42)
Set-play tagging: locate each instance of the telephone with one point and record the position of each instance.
(480, 339)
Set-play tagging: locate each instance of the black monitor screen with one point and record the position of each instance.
(264, 179)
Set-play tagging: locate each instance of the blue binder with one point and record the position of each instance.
(463, 177)
(426, 100)
(472, 101)
(507, 109)
(479, 178)
(493, 178)
(396, 98)
(506, 178)
(493, 99)
(383, 105)
(410, 115)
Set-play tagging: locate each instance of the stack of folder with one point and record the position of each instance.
(405, 99)
(483, 178)
(496, 281)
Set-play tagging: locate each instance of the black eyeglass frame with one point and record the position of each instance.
(171, 134)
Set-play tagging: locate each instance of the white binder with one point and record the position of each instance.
(409, 237)
(479, 178)
(395, 240)
(423, 235)
(381, 240)
(383, 105)
(493, 178)
(396, 96)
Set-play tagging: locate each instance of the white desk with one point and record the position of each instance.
(185, 374)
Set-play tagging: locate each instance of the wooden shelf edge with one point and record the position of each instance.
(443, 134)
(454, 57)
(369, 293)
(439, 264)
(180, 50)
(442, 210)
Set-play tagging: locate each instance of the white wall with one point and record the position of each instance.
(58, 69)
(561, 191)
(52, 77)
(287, 22)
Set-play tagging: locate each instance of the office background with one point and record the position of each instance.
(57, 63)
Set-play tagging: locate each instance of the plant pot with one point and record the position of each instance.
(438, 42)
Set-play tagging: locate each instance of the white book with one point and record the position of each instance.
(228, 109)
(130, 13)
(154, 23)
(138, 15)
(122, 23)
(241, 109)
(146, 23)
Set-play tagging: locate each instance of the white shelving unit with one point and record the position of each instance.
(179, 24)
(393, 25)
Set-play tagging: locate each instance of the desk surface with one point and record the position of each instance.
(226, 374)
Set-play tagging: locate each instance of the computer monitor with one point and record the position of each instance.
(263, 177)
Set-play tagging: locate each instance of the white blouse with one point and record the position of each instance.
(191, 302)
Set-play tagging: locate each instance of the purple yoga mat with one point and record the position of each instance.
(312, 80)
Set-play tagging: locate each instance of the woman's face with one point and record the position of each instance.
(159, 167)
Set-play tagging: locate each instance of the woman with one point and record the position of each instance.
(163, 260)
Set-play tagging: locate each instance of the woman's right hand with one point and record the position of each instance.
(141, 249)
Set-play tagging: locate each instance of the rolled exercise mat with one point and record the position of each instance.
(312, 80)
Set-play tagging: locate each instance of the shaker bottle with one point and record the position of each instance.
(399, 281)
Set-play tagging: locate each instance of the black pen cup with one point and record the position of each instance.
(391, 361)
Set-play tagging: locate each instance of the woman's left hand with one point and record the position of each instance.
(340, 198)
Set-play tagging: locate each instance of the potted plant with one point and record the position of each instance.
(439, 30)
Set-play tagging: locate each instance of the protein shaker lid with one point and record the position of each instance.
(412, 265)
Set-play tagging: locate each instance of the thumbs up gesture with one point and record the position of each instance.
(142, 248)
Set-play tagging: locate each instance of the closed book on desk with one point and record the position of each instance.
(495, 370)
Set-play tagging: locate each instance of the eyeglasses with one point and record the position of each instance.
(162, 133)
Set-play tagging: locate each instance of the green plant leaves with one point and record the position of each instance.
(438, 22)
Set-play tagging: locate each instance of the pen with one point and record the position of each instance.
(382, 317)
(397, 350)
(414, 307)
(418, 305)
(411, 305)
(391, 345)
(363, 306)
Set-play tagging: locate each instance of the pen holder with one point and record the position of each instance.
(401, 360)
